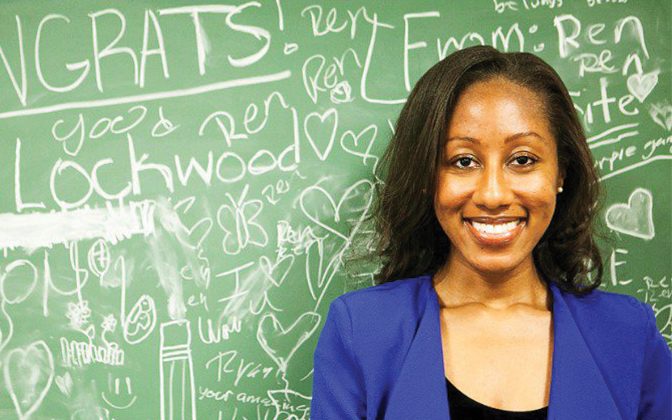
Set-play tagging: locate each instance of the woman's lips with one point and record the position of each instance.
(496, 239)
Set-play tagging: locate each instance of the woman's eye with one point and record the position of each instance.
(524, 160)
(463, 162)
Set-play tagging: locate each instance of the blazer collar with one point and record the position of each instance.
(578, 389)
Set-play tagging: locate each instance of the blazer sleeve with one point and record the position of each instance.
(656, 392)
(338, 384)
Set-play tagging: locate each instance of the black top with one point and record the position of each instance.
(463, 407)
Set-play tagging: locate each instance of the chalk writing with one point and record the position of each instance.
(183, 184)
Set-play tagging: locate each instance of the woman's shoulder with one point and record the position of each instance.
(606, 307)
(402, 293)
(603, 299)
(384, 310)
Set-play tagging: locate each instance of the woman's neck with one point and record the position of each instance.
(457, 284)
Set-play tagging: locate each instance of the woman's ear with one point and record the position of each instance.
(561, 177)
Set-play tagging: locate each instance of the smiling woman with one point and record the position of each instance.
(499, 128)
(496, 188)
(487, 302)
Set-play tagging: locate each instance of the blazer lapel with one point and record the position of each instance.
(420, 391)
(578, 389)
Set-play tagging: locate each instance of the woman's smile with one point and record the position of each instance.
(495, 234)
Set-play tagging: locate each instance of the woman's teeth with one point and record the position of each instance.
(495, 228)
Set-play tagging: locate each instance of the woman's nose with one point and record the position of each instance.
(493, 189)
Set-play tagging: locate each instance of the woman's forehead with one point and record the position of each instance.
(498, 88)
(485, 112)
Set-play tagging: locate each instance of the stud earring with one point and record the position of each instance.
(559, 189)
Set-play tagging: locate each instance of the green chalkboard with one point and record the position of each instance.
(181, 183)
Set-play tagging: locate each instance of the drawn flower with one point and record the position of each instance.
(109, 323)
(78, 314)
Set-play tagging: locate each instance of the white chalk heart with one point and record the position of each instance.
(322, 151)
(360, 144)
(277, 272)
(281, 343)
(64, 383)
(640, 85)
(323, 258)
(353, 206)
(635, 218)
(28, 374)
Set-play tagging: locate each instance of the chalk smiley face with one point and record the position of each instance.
(117, 397)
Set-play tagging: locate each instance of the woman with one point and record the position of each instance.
(487, 303)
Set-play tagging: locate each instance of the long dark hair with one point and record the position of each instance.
(409, 240)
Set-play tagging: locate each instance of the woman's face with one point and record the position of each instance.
(499, 162)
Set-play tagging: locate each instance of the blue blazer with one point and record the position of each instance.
(379, 356)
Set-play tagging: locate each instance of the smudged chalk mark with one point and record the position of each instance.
(32, 231)
(661, 113)
(170, 235)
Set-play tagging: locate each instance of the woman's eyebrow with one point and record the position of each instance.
(507, 140)
(524, 134)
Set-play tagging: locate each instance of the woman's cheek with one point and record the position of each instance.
(539, 197)
(453, 189)
(540, 186)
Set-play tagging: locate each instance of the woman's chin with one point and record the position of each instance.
(496, 265)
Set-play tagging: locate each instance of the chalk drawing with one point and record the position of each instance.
(169, 167)
(64, 383)
(99, 258)
(321, 143)
(661, 113)
(289, 404)
(276, 272)
(116, 397)
(28, 373)
(281, 343)
(78, 313)
(641, 85)
(177, 388)
(360, 144)
(140, 321)
(634, 218)
(238, 221)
